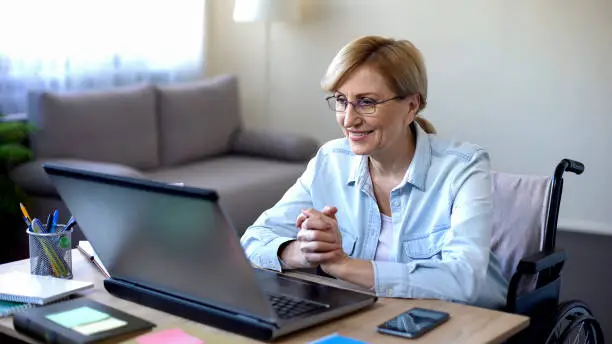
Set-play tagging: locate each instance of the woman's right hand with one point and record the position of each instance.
(317, 241)
(327, 210)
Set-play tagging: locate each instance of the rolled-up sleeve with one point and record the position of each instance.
(276, 225)
(460, 272)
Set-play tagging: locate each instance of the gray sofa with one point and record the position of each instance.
(190, 133)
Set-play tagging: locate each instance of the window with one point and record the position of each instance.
(87, 44)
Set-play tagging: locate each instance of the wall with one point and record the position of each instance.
(529, 80)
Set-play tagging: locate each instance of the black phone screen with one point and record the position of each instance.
(414, 322)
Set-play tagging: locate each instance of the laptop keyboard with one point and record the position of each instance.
(288, 307)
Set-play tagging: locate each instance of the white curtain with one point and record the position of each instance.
(88, 44)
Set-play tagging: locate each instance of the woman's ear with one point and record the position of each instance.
(412, 107)
(415, 100)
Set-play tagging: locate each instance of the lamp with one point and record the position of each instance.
(266, 11)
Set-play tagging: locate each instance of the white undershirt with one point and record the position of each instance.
(385, 240)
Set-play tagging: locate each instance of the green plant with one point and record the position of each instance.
(12, 153)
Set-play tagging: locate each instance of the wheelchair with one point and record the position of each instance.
(526, 211)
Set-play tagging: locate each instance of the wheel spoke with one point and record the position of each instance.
(579, 332)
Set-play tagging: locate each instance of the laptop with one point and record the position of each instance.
(173, 248)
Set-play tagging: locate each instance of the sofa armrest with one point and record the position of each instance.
(282, 146)
(31, 176)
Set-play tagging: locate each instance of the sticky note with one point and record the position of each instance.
(99, 326)
(77, 316)
(174, 336)
(337, 339)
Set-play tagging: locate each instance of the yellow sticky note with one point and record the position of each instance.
(100, 326)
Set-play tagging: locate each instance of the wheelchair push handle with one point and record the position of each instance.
(555, 200)
(570, 166)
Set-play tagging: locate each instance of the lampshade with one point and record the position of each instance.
(266, 10)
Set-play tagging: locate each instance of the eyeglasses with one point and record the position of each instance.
(363, 106)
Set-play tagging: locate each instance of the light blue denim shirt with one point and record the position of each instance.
(442, 219)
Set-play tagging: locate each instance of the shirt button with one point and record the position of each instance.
(395, 203)
(389, 292)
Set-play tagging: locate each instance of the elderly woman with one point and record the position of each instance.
(390, 206)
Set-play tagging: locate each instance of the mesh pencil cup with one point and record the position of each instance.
(51, 253)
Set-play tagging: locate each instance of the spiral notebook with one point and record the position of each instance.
(9, 308)
(17, 286)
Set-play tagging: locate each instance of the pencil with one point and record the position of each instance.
(26, 216)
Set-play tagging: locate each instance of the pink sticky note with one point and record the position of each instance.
(174, 336)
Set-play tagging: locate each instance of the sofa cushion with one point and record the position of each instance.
(33, 179)
(247, 186)
(197, 119)
(116, 125)
(275, 145)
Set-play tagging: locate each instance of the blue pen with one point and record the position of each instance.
(54, 221)
(48, 224)
(69, 224)
(37, 226)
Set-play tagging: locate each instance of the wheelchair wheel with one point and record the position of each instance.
(574, 323)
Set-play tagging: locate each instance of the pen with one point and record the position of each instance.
(48, 224)
(102, 270)
(53, 221)
(70, 224)
(26, 216)
(92, 258)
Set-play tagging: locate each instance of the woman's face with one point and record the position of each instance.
(376, 133)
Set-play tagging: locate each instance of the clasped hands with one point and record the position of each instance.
(319, 241)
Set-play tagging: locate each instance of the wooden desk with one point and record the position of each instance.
(467, 324)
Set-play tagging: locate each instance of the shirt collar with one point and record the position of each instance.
(417, 170)
(359, 166)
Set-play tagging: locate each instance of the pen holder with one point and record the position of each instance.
(51, 253)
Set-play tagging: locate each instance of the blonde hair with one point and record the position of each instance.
(398, 61)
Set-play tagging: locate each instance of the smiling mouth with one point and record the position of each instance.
(360, 133)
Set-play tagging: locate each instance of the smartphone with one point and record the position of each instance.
(413, 323)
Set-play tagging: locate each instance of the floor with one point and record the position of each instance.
(587, 275)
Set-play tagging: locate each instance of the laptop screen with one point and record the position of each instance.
(169, 238)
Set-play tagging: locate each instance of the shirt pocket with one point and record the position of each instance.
(426, 245)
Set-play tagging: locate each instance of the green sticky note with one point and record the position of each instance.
(78, 316)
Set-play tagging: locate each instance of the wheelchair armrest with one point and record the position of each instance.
(541, 261)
